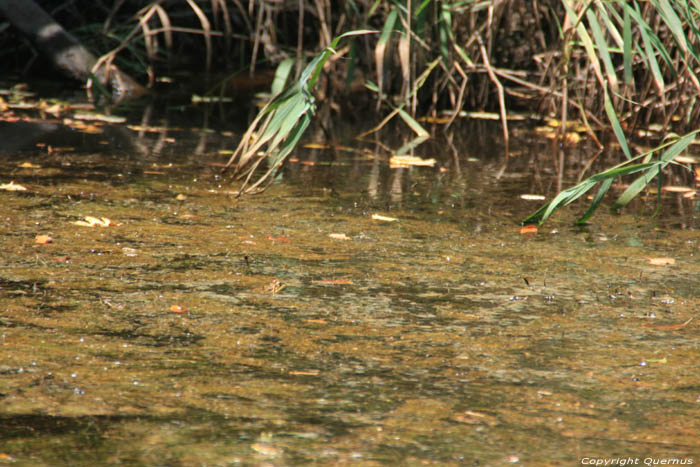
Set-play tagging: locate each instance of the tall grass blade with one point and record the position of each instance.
(674, 24)
(655, 170)
(604, 187)
(627, 47)
(617, 128)
(282, 73)
(602, 46)
(413, 124)
(586, 42)
(652, 44)
(380, 51)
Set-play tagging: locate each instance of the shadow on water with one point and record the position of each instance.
(293, 328)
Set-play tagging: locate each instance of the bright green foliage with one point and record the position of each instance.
(649, 169)
(280, 124)
(597, 26)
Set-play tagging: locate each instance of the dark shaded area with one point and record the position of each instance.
(66, 53)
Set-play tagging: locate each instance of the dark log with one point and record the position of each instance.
(61, 47)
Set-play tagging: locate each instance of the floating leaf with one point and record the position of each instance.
(677, 189)
(406, 161)
(43, 239)
(669, 326)
(91, 221)
(12, 186)
(529, 197)
(339, 236)
(278, 239)
(379, 217)
(528, 229)
(178, 309)
(94, 116)
(661, 261)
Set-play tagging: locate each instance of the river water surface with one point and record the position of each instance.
(293, 328)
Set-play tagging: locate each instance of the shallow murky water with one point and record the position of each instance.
(293, 328)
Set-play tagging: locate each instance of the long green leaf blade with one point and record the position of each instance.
(617, 128)
(602, 46)
(604, 187)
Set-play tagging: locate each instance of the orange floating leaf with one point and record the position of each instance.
(278, 239)
(669, 326)
(178, 309)
(43, 239)
(528, 229)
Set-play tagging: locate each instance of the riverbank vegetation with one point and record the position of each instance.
(609, 67)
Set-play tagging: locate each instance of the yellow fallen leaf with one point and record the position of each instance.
(661, 261)
(28, 165)
(91, 221)
(94, 116)
(572, 137)
(437, 120)
(339, 236)
(406, 161)
(305, 373)
(686, 159)
(677, 189)
(266, 449)
(12, 186)
(529, 197)
(379, 217)
(83, 224)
